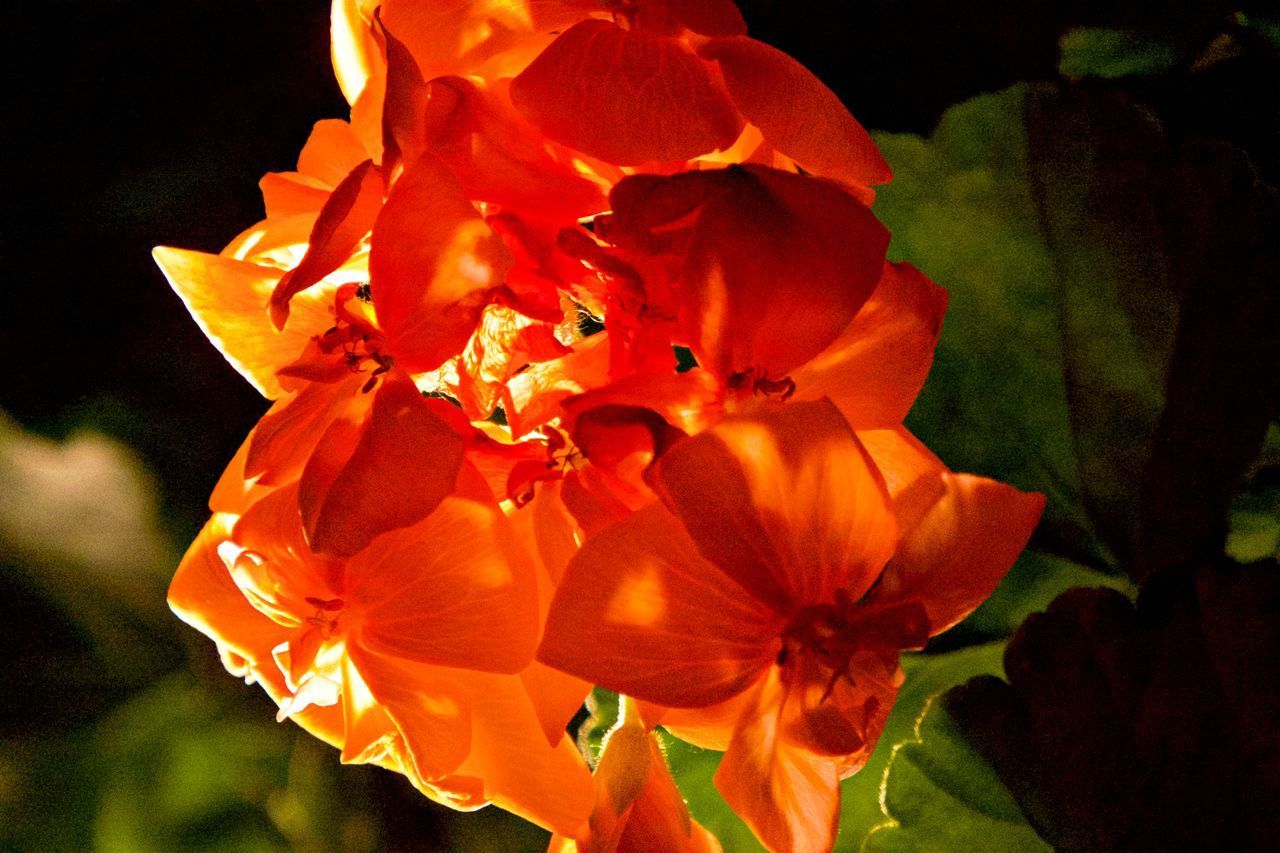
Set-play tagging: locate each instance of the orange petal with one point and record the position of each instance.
(389, 474)
(429, 709)
(877, 366)
(291, 194)
(343, 222)
(354, 51)
(456, 589)
(911, 472)
(499, 157)
(286, 436)
(203, 595)
(534, 396)
(228, 299)
(797, 113)
(331, 152)
(504, 343)
(953, 558)
(434, 265)
(459, 36)
(599, 88)
(788, 503)
(789, 797)
(548, 785)
(641, 612)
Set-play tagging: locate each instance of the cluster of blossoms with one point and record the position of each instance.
(586, 367)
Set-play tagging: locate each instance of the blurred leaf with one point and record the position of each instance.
(1142, 728)
(1096, 275)
(927, 675)
(960, 208)
(1035, 580)
(1255, 512)
(1110, 53)
(940, 795)
(602, 715)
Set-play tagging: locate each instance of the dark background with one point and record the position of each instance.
(129, 124)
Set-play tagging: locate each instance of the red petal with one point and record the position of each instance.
(788, 503)
(789, 797)
(434, 265)
(877, 366)
(625, 97)
(708, 17)
(772, 268)
(343, 222)
(390, 474)
(286, 436)
(456, 589)
(797, 113)
(535, 395)
(641, 612)
(953, 558)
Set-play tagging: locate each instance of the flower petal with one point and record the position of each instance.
(433, 266)
(797, 113)
(228, 299)
(429, 709)
(390, 474)
(626, 97)
(641, 612)
(203, 595)
(548, 785)
(771, 266)
(345, 219)
(877, 366)
(456, 589)
(787, 503)
(789, 797)
(953, 558)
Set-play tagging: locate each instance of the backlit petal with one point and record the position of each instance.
(431, 711)
(877, 366)
(344, 221)
(640, 611)
(434, 265)
(786, 502)
(228, 299)
(789, 797)
(953, 558)
(396, 470)
(456, 590)
(626, 97)
(797, 113)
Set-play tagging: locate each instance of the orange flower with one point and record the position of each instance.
(638, 806)
(402, 655)
(774, 585)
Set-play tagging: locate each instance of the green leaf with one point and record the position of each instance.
(926, 675)
(602, 715)
(1109, 339)
(939, 795)
(960, 207)
(1110, 53)
(1255, 512)
(1035, 580)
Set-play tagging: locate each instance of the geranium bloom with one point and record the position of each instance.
(638, 806)
(402, 655)
(774, 586)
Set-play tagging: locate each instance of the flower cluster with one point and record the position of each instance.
(586, 367)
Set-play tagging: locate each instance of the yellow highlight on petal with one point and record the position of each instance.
(640, 601)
